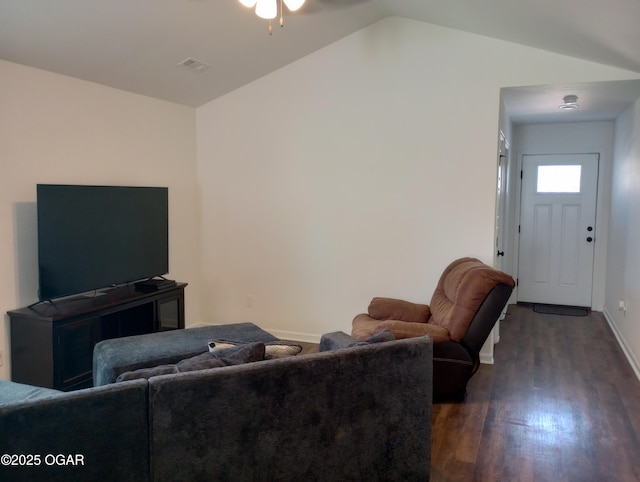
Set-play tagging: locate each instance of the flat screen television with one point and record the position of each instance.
(93, 237)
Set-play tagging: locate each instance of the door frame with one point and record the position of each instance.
(502, 200)
(602, 219)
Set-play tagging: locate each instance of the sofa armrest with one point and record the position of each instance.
(335, 340)
(105, 430)
(12, 392)
(339, 339)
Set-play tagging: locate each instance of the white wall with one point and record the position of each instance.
(358, 171)
(573, 138)
(623, 254)
(56, 129)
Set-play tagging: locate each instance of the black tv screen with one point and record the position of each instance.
(93, 237)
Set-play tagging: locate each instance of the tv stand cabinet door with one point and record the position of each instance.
(170, 313)
(73, 353)
(32, 348)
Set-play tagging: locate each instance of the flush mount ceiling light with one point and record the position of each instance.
(569, 102)
(268, 9)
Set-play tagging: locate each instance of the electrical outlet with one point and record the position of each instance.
(622, 306)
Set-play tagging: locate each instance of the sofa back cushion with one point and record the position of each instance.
(337, 415)
(235, 355)
(462, 288)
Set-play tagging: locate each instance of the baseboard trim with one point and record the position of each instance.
(635, 366)
(486, 359)
(294, 335)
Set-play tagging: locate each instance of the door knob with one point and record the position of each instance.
(589, 239)
(590, 228)
(500, 253)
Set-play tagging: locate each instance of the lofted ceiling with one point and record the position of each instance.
(136, 45)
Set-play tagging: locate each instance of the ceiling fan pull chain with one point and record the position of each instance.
(281, 15)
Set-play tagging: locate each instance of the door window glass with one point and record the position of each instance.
(559, 179)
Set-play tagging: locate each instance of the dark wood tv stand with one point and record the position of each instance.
(52, 342)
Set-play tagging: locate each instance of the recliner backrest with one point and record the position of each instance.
(461, 291)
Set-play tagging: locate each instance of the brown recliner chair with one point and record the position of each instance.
(465, 306)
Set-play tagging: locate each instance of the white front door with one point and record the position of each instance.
(557, 228)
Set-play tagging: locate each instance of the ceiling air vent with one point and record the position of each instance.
(194, 65)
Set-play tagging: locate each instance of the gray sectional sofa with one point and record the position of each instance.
(350, 413)
(106, 427)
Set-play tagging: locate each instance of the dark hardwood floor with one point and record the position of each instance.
(561, 403)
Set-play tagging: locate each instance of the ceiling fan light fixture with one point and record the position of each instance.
(294, 5)
(267, 9)
(570, 102)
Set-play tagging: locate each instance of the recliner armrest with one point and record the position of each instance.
(409, 329)
(393, 309)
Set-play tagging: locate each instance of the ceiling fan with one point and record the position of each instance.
(269, 9)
